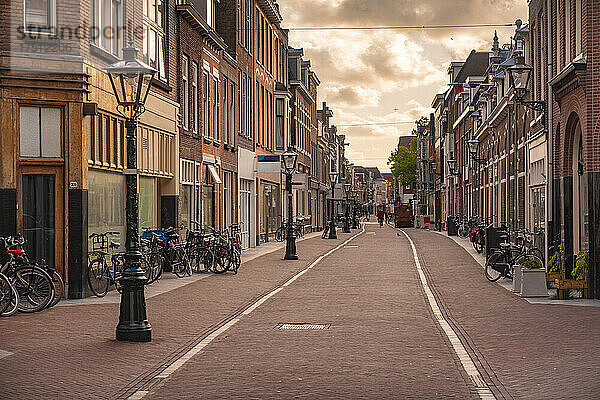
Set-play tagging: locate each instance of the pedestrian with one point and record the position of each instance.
(380, 217)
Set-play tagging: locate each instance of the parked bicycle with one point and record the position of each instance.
(103, 272)
(27, 287)
(281, 232)
(501, 262)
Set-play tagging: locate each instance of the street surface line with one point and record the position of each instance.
(178, 363)
(4, 353)
(481, 387)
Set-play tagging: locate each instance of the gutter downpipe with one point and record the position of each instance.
(550, 136)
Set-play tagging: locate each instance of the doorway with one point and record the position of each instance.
(40, 216)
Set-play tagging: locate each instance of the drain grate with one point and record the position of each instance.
(302, 326)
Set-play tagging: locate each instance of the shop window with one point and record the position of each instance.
(40, 132)
(147, 202)
(106, 202)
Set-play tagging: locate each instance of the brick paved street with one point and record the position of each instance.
(382, 339)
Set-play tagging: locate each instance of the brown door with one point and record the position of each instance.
(41, 214)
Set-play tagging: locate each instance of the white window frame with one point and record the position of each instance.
(50, 29)
(185, 101)
(154, 53)
(194, 97)
(216, 108)
(206, 102)
(104, 25)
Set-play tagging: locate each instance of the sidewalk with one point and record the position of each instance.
(169, 281)
(526, 351)
(507, 283)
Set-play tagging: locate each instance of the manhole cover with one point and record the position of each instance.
(302, 326)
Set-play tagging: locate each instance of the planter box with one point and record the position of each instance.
(564, 285)
(552, 276)
(533, 283)
(516, 283)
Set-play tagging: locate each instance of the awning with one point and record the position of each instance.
(215, 176)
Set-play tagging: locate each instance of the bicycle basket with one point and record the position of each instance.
(99, 243)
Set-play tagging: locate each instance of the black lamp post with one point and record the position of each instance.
(519, 76)
(355, 210)
(130, 80)
(347, 210)
(289, 160)
(452, 167)
(332, 233)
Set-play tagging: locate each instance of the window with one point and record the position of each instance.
(40, 16)
(206, 108)
(232, 114)
(211, 13)
(194, 99)
(186, 94)
(107, 22)
(578, 24)
(154, 22)
(216, 109)
(226, 109)
(40, 132)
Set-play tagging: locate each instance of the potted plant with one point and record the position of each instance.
(556, 263)
(532, 277)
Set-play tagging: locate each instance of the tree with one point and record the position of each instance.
(403, 163)
(403, 160)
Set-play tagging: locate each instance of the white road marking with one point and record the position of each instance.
(481, 387)
(178, 363)
(4, 353)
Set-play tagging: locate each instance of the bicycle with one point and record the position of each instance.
(501, 262)
(34, 287)
(100, 272)
(198, 250)
(174, 254)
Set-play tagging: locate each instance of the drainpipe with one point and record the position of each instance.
(549, 135)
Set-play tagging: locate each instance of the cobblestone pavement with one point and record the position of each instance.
(382, 340)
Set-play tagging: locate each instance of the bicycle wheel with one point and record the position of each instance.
(477, 244)
(279, 236)
(179, 262)
(155, 263)
(13, 305)
(495, 263)
(59, 288)
(221, 259)
(536, 252)
(235, 261)
(35, 288)
(6, 293)
(98, 279)
(208, 260)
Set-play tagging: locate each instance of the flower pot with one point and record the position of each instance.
(516, 283)
(533, 282)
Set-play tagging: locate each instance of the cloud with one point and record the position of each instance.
(365, 75)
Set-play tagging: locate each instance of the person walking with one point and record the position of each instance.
(380, 217)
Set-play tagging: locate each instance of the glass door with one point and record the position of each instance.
(38, 207)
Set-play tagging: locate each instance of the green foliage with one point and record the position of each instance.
(556, 263)
(529, 262)
(580, 272)
(403, 161)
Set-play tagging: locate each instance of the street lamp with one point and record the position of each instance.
(289, 160)
(452, 167)
(519, 76)
(332, 233)
(130, 80)
(347, 210)
(474, 149)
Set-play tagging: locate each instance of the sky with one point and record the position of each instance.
(382, 76)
